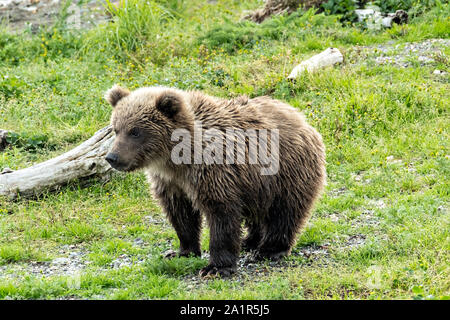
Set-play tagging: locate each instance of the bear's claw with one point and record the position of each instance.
(272, 256)
(212, 271)
(169, 254)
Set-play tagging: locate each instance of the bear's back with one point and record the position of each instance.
(243, 113)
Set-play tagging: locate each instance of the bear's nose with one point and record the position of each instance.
(112, 158)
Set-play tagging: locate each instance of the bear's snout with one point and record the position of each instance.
(115, 162)
(112, 158)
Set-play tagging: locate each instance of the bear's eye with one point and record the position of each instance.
(134, 132)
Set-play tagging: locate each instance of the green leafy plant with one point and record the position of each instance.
(29, 143)
(415, 7)
(344, 8)
(232, 36)
(11, 86)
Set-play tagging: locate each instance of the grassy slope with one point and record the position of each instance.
(398, 211)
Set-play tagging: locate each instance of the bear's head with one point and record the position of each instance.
(143, 122)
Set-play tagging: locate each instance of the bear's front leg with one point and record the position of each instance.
(224, 242)
(187, 223)
(184, 218)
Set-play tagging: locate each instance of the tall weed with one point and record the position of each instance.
(139, 30)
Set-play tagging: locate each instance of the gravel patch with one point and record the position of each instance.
(402, 55)
(335, 193)
(151, 220)
(378, 203)
(355, 241)
(71, 263)
(23, 14)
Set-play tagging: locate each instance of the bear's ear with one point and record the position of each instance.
(169, 104)
(115, 94)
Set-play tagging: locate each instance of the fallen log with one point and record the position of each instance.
(86, 160)
(375, 19)
(329, 57)
(277, 7)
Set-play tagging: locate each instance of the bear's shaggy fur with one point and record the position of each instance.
(272, 207)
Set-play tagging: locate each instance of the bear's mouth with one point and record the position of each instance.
(120, 167)
(124, 168)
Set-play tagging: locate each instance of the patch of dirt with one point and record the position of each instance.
(359, 177)
(401, 55)
(33, 14)
(337, 192)
(378, 203)
(354, 241)
(72, 261)
(151, 220)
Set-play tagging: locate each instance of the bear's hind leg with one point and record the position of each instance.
(253, 239)
(282, 225)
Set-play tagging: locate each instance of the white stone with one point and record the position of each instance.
(364, 14)
(387, 22)
(29, 9)
(329, 57)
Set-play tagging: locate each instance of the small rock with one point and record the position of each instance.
(151, 220)
(387, 22)
(364, 14)
(424, 59)
(356, 240)
(338, 192)
(392, 160)
(31, 9)
(334, 217)
(378, 203)
(61, 261)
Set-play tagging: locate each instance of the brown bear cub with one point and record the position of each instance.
(255, 162)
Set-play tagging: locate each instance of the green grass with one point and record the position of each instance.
(380, 231)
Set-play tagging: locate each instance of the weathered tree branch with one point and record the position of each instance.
(327, 58)
(275, 7)
(84, 161)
